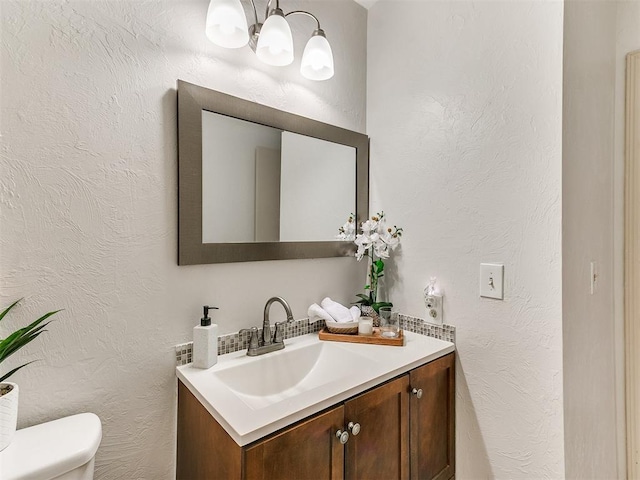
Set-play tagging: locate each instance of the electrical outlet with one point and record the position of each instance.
(434, 308)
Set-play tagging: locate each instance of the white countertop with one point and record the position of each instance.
(247, 418)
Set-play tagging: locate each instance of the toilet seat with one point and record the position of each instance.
(51, 449)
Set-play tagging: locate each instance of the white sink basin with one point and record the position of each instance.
(254, 396)
(263, 381)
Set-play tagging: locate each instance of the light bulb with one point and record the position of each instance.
(227, 24)
(317, 59)
(227, 29)
(275, 43)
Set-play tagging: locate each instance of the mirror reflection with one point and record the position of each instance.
(263, 184)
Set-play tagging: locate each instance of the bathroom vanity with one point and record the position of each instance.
(339, 411)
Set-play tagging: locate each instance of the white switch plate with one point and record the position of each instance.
(491, 280)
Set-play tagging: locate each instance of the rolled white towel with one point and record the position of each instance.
(315, 311)
(355, 312)
(340, 313)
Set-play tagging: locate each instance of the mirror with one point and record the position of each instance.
(262, 184)
(256, 183)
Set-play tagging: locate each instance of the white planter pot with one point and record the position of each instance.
(8, 415)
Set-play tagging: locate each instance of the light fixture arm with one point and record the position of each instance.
(302, 12)
(255, 12)
(267, 11)
(254, 30)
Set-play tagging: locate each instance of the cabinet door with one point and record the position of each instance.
(309, 450)
(433, 420)
(204, 450)
(380, 450)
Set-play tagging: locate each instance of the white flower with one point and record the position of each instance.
(381, 251)
(369, 226)
(347, 231)
(350, 230)
(346, 236)
(391, 240)
(375, 240)
(363, 242)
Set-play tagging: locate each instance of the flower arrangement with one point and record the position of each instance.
(376, 241)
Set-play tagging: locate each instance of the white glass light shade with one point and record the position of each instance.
(317, 59)
(275, 43)
(227, 24)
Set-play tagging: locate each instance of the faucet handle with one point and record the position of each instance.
(253, 336)
(278, 336)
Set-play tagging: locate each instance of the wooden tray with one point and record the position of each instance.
(375, 339)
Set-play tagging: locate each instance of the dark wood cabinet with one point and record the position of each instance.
(433, 420)
(381, 447)
(204, 450)
(393, 434)
(310, 450)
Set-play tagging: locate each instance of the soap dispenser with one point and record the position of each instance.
(205, 341)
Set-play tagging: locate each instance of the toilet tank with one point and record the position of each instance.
(62, 449)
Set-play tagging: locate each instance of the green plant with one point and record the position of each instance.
(20, 338)
(376, 269)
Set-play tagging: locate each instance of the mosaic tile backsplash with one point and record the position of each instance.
(419, 325)
(232, 342)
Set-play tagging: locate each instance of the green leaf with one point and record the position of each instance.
(379, 266)
(17, 344)
(364, 299)
(8, 374)
(21, 337)
(6, 310)
(378, 305)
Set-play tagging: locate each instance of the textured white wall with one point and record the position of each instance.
(466, 156)
(591, 449)
(89, 204)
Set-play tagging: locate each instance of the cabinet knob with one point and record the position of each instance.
(354, 428)
(342, 436)
(417, 392)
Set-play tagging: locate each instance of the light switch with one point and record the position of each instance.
(491, 280)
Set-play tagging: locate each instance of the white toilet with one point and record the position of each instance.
(62, 449)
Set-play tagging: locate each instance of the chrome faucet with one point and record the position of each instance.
(268, 344)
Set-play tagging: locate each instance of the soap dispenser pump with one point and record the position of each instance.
(205, 341)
